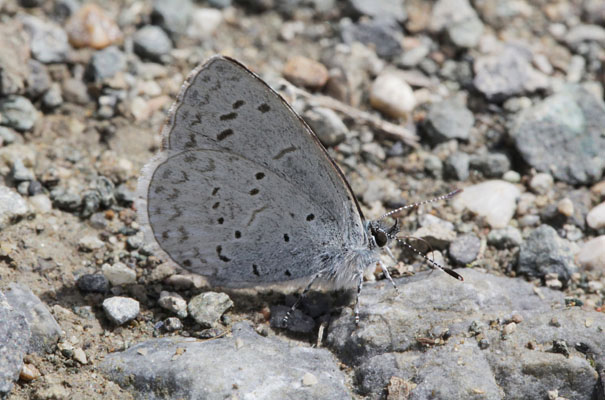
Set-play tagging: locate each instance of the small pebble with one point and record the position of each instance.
(173, 302)
(309, 379)
(596, 217)
(90, 243)
(208, 307)
(91, 27)
(592, 254)
(204, 23)
(80, 356)
(29, 372)
(509, 328)
(541, 183)
(305, 72)
(93, 283)
(391, 95)
(119, 274)
(18, 112)
(565, 207)
(465, 249)
(495, 200)
(120, 310)
(173, 324)
(151, 42)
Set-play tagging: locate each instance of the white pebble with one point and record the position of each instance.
(596, 217)
(120, 310)
(496, 201)
(119, 274)
(391, 95)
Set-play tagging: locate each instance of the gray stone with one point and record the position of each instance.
(219, 3)
(18, 113)
(465, 249)
(440, 311)
(14, 341)
(63, 9)
(261, 367)
(172, 16)
(12, 207)
(505, 238)
(106, 63)
(124, 195)
(382, 33)
(448, 120)
(20, 173)
(151, 42)
(93, 283)
(459, 20)
(456, 166)
(38, 79)
(544, 252)
(594, 11)
(563, 135)
(65, 200)
(327, 125)
(75, 91)
(48, 41)
(119, 274)
(379, 8)
(120, 310)
(53, 97)
(173, 302)
(207, 308)
(491, 165)
(507, 72)
(582, 33)
(7, 135)
(45, 331)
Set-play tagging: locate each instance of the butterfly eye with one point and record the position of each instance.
(380, 236)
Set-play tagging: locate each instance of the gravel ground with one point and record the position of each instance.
(412, 99)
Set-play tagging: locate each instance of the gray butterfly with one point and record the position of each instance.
(244, 193)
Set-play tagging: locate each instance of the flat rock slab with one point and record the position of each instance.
(244, 365)
(14, 339)
(459, 339)
(45, 331)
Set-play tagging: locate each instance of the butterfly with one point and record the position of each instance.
(243, 192)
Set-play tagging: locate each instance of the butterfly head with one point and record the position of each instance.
(381, 235)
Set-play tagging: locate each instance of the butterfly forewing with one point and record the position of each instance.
(243, 192)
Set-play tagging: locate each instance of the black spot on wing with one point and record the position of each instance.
(238, 234)
(219, 250)
(254, 192)
(286, 237)
(259, 175)
(238, 104)
(310, 217)
(215, 205)
(215, 191)
(224, 134)
(255, 270)
(187, 263)
(287, 273)
(221, 221)
(197, 120)
(284, 152)
(228, 117)
(264, 108)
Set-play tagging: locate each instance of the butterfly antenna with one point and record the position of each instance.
(433, 264)
(420, 240)
(420, 203)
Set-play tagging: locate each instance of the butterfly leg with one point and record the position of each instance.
(385, 271)
(359, 286)
(302, 296)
